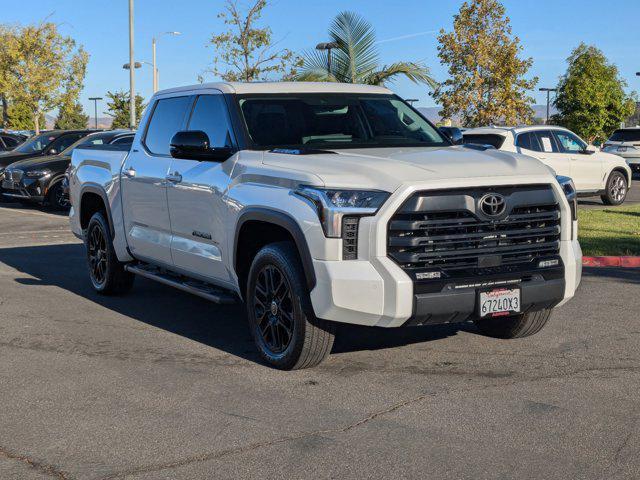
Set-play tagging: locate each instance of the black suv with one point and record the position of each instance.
(40, 179)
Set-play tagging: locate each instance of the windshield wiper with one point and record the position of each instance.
(300, 151)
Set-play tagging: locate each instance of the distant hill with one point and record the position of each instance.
(433, 113)
(103, 122)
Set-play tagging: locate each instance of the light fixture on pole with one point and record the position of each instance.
(411, 101)
(328, 46)
(153, 51)
(95, 109)
(132, 73)
(548, 90)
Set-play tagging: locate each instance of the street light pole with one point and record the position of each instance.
(95, 109)
(328, 46)
(156, 80)
(132, 74)
(411, 101)
(548, 90)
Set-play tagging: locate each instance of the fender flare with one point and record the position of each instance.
(285, 221)
(94, 188)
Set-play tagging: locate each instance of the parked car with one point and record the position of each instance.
(9, 141)
(318, 203)
(40, 179)
(593, 172)
(47, 143)
(625, 142)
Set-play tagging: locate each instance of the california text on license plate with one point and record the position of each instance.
(498, 302)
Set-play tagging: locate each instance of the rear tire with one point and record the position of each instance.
(518, 326)
(284, 328)
(616, 189)
(107, 274)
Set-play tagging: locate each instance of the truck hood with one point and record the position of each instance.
(388, 168)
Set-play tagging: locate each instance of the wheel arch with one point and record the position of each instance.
(88, 205)
(272, 224)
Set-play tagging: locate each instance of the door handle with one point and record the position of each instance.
(174, 177)
(129, 172)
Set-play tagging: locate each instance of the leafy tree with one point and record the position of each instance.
(19, 117)
(71, 116)
(118, 106)
(356, 58)
(40, 64)
(486, 82)
(245, 52)
(591, 99)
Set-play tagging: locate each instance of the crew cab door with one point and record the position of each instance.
(542, 145)
(144, 183)
(586, 167)
(196, 196)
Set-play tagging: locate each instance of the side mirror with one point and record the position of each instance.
(452, 133)
(589, 150)
(52, 151)
(194, 145)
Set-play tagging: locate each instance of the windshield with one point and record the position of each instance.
(95, 139)
(630, 135)
(36, 144)
(335, 121)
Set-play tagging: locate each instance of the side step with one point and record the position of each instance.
(201, 289)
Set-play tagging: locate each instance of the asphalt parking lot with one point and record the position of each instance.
(160, 384)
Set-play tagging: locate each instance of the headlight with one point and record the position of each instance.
(569, 189)
(334, 204)
(37, 173)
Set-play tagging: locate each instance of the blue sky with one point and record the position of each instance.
(548, 29)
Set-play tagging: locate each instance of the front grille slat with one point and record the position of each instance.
(428, 234)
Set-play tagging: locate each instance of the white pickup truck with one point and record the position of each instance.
(323, 203)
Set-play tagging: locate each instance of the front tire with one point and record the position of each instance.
(56, 198)
(616, 190)
(518, 326)
(107, 274)
(284, 328)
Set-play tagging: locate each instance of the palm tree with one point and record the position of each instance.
(355, 59)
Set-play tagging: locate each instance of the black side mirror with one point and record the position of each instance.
(452, 133)
(194, 145)
(52, 151)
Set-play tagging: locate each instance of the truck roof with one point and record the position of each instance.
(282, 87)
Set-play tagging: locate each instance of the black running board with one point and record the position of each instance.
(201, 289)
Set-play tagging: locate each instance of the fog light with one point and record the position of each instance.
(548, 263)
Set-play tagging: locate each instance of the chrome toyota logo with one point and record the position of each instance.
(493, 204)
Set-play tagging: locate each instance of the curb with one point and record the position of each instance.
(625, 262)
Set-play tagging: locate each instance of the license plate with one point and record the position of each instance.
(622, 149)
(498, 302)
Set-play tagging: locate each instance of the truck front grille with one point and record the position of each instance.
(447, 231)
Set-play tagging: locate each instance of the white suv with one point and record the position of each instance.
(317, 203)
(593, 172)
(626, 143)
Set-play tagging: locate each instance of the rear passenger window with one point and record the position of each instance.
(528, 141)
(123, 141)
(546, 141)
(167, 119)
(210, 116)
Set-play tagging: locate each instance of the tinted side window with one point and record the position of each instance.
(10, 142)
(64, 141)
(128, 140)
(546, 141)
(569, 142)
(528, 141)
(210, 116)
(167, 119)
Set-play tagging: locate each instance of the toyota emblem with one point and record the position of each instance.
(493, 204)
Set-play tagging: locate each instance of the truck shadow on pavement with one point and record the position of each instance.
(221, 327)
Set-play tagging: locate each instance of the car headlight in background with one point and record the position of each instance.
(37, 173)
(339, 211)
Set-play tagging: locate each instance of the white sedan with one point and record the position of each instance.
(593, 172)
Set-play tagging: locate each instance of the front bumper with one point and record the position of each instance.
(375, 291)
(32, 189)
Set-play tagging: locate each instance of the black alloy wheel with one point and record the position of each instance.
(97, 256)
(58, 199)
(273, 309)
